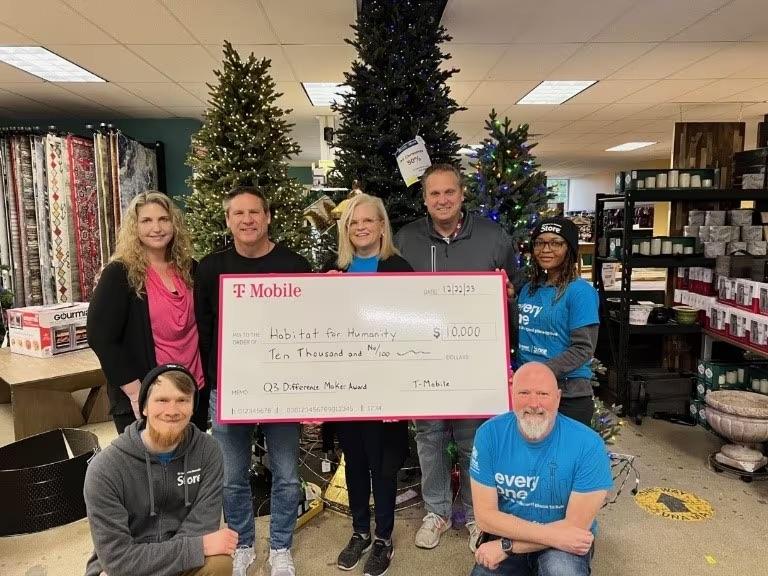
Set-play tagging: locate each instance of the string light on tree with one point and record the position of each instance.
(244, 140)
(516, 199)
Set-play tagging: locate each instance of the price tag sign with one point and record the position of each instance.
(413, 160)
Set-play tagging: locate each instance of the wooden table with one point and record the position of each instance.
(40, 390)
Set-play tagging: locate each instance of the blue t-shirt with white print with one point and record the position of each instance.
(534, 480)
(546, 322)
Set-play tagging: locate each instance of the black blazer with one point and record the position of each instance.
(120, 333)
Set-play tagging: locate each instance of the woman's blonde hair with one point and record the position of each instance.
(346, 249)
(133, 255)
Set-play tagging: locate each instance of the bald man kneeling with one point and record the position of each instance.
(538, 480)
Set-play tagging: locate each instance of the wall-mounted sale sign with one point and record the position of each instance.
(362, 346)
(413, 160)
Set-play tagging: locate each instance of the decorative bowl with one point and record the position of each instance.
(685, 314)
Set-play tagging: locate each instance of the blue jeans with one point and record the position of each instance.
(432, 437)
(549, 562)
(283, 449)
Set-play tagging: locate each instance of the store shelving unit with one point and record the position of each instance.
(627, 198)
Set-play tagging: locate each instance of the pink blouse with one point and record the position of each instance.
(172, 317)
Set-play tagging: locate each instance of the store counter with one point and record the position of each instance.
(40, 391)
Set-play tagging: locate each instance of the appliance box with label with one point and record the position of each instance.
(45, 331)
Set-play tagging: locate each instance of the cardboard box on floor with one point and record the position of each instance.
(44, 331)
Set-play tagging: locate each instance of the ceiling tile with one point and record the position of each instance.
(531, 61)
(51, 95)
(500, 94)
(757, 94)
(598, 61)
(732, 59)
(663, 91)
(566, 111)
(134, 22)
(736, 20)
(460, 91)
(473, 60)
(756, 110)
(51, 22)
(576, 21)
(187, 111)
(663, 111)
(729, 111)
(112, 62)
(609, 91)
(541, 127)
(667, 59)
(473, 22)
(319, 23)
(240, 22)
(294, 97)
(315, 63)
(162, 94)
(10, 37)
(477, 114)
(9, 73)
(656, 20)
(616, 111)
(588, 126)
(107, 94)
(21, 104)
(179, 63)
(721, 90)
(146, 112)
(280, 69)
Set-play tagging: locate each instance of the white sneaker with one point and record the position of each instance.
(242, 559)
(281, 562)
(433, 526)
(474, 535)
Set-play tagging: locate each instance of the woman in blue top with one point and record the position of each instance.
(558, 316)
(373, 451)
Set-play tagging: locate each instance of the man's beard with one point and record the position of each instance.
(534, 424)
(167, 439)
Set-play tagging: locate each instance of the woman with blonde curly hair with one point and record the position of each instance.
(141, 313)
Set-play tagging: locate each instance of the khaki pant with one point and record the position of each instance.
(214, 566)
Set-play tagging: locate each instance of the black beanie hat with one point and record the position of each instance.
(562, 227)
(153, 374)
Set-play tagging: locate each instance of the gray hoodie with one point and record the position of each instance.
(480, 245)
(149, 518)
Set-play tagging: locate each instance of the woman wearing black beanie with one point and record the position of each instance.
(559, 318)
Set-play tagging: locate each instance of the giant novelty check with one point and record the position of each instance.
(362, 346)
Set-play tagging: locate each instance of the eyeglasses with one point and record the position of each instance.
(364, 222)
(553, 245)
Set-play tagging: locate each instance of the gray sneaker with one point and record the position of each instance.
(433, 526)
(281, 563)
(242, 559)
(474, 535)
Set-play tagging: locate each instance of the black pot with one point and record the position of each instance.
(659, 315)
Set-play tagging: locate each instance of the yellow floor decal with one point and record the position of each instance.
(674, 504)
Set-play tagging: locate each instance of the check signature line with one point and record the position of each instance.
(415, 352)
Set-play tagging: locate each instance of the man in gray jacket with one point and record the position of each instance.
(154, 495)
(449, 240)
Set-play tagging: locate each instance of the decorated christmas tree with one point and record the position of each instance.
(399, 92)
(244, 141)
(507, 186)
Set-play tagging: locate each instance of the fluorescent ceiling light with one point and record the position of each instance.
(555, 91)
(45, 64)
(471, 149)
(627, 146)
(325, 93)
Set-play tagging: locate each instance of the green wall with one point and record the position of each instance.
(174, 133)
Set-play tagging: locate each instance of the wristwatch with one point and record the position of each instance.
(506, 546)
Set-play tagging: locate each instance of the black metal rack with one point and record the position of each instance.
(627, 197)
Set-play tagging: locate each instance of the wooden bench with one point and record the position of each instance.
(40, 391)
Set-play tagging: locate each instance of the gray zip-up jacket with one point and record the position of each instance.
(148, 518)
(480, 245)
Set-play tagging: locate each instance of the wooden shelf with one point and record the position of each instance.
(726, 339)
